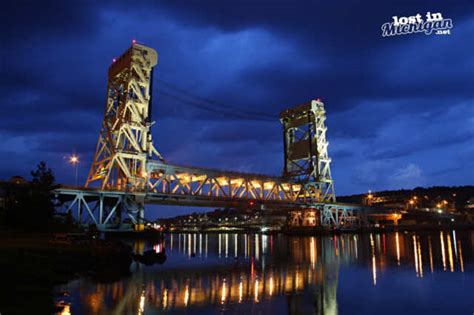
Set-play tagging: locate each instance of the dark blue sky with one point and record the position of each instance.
(400, 109)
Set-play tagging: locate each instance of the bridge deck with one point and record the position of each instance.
(102, 206)
(192, 186)
(166, 179)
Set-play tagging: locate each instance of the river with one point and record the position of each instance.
(386, 273)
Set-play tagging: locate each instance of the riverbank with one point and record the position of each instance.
(31, 265)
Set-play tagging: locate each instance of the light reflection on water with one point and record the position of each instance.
(277, 274)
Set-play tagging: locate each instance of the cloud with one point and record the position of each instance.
(408, 177)
(391, 103)
(371, 174)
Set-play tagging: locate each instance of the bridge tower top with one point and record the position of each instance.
(306, 149)
(125, 141)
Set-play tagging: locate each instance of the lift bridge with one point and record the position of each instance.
(128, 171)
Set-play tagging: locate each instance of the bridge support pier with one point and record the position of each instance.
(337, 215)
(304, 217)
(329, 215)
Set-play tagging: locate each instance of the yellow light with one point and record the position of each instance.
(141, 305)
(165, 299)
(66, 310)
(412, 202)
(398, 248)
(461, 261)
(256, 292)
(431, 254)
(74, 159)
(415, 255)
(450, 254)
(271, 286)
(312, 252)
(224, 292)
(415, 197)
(374, 262)
(420, 262)
(186, 296)
(241, 290)
(443, 255)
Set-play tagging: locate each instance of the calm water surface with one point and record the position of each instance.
(392, 273)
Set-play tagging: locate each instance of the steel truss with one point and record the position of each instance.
(214, 184)
(330, 215)
(125, 142)
(338, 215)
(306, 149)
(105, 209)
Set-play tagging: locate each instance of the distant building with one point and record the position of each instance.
(10, 190)
(410, 201)
(470, 204)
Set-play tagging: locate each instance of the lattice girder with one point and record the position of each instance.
(306, 149)
(125, 143)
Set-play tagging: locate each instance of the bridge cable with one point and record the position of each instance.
(211, 109)
(198, 100)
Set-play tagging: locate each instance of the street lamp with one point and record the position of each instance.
(74, 160)
(369, 198)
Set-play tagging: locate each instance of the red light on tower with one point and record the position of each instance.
(318, 99)
(134, 41)
(114, 60)
(251, 203)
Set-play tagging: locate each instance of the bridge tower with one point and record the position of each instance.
(306, 150)
(125, 142)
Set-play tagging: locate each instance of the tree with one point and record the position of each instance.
(39, 206)
(43, 177)
(31, 207)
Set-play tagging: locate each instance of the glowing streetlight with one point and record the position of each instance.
(369, 198)
(74, 160)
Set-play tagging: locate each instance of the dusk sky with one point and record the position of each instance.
(400, 109)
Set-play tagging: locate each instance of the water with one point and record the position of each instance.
(392, 273)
